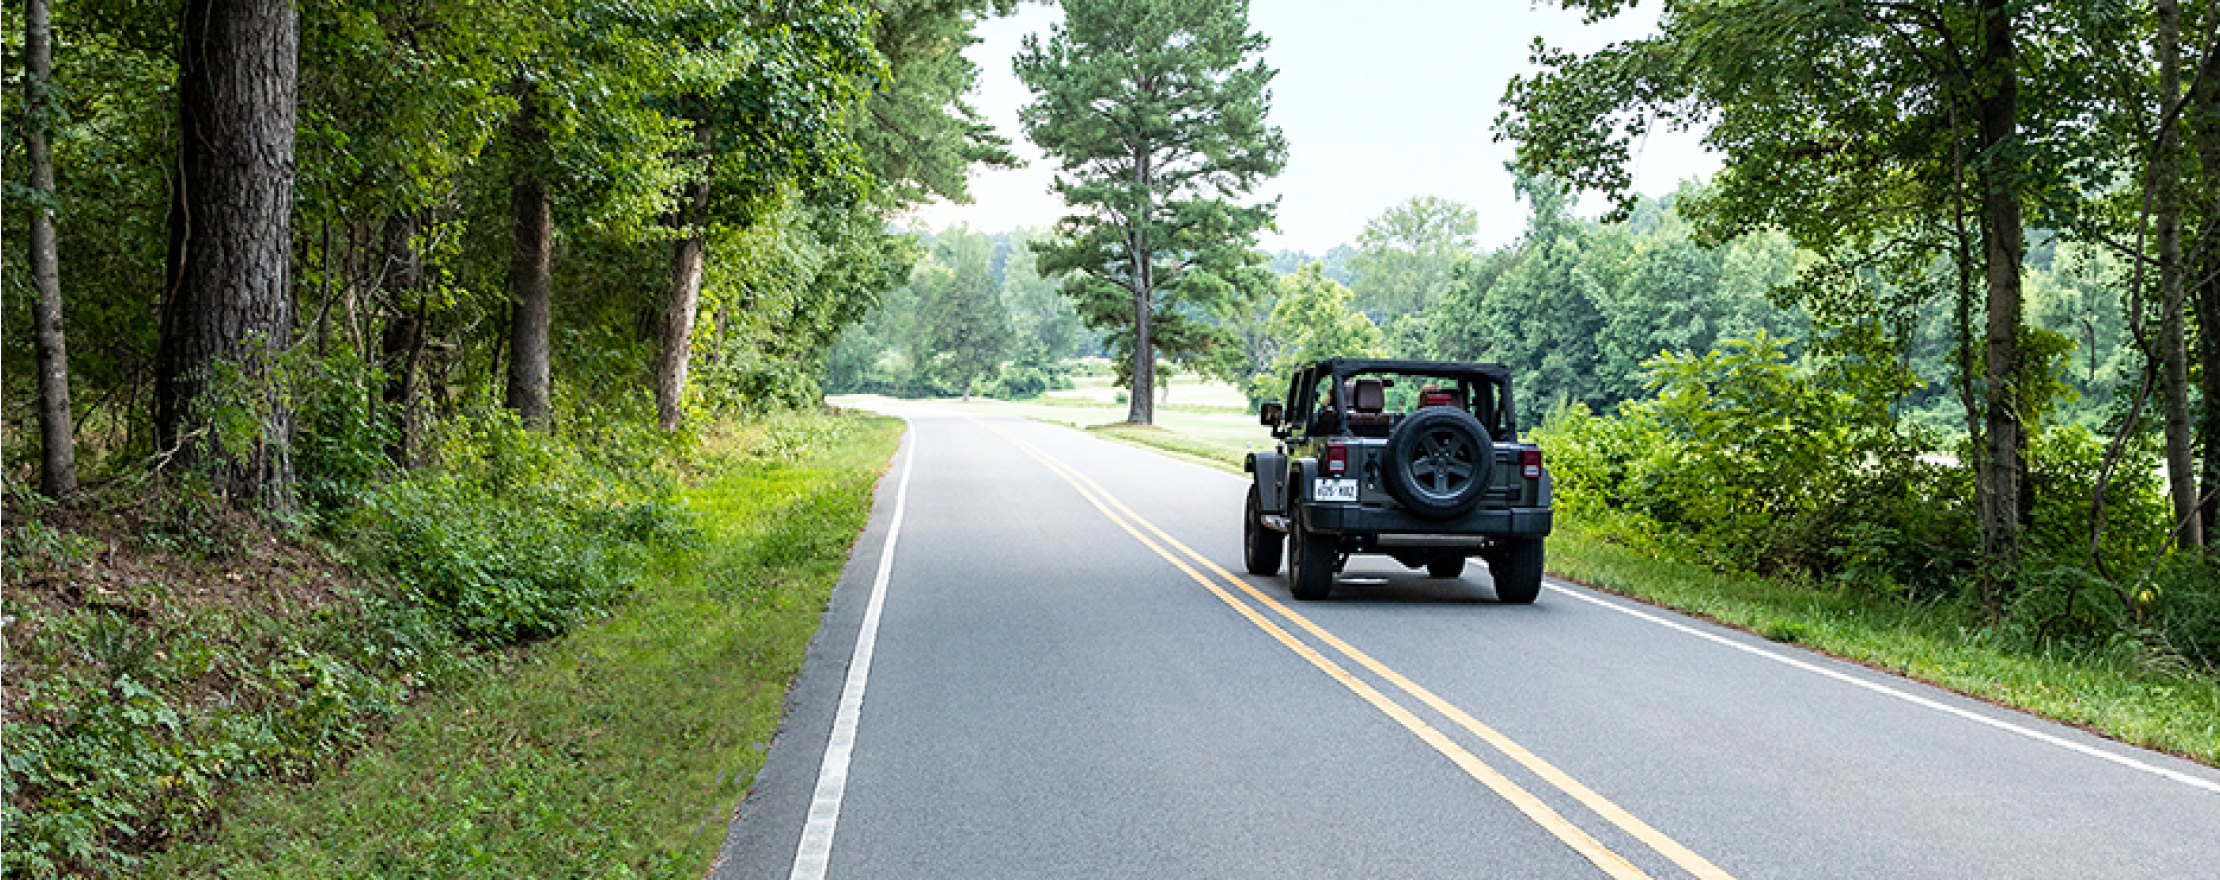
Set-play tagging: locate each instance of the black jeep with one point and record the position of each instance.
(1418, 460)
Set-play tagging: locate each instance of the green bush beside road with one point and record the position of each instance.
(539, 657)
(622, 749)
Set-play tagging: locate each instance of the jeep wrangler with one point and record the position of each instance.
(1417, 460)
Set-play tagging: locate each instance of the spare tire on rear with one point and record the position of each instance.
(1438, 462)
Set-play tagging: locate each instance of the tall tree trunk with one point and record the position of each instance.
(1141, 396)
(2173, 350)
(2204, 130)
(57, 429)
(401, 344)
(685, 292)
(1997, 106)
(531, 268)
(230, 303)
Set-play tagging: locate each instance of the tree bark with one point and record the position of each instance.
(2204, 129)
(685, 292)
(1141, 397)
(401, 344)
(2173, 350)
(57, 428)
(230, 304)
(531, 268)
(2002, 471)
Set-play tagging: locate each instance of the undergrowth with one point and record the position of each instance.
(164, 650)
(622, 749)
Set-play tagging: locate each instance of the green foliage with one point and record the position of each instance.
(963, 329)
(1043, 326)
(1747, 462)
(1313, 318)
(1752, 463)
(1408, 256)
(1022, 381)
(2063, 465)
(972, 313)
(920, 138)
(141, 711)
(518, 537)
(2181, 605)
(133, 730)
(618, 751)
(134, 708)
(340, 444)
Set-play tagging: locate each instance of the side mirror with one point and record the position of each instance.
(1269, 414)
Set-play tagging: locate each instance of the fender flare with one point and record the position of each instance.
(1270, 470)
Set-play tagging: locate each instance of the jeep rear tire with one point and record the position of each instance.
(1438, 461)
(1516, 566)
(1262, 546)
(1310, 563)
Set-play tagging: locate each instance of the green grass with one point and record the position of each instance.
(1217, 455)
(2124, 691)
(622, 749)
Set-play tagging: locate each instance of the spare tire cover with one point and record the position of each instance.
(1438, 462)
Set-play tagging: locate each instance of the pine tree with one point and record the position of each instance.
(1154, 111)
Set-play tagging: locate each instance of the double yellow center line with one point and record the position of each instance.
(1526, 802)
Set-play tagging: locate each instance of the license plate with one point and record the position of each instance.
(1333, 490)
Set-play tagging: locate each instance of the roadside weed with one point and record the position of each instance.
(623, 748)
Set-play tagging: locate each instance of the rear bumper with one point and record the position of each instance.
(1392, 527)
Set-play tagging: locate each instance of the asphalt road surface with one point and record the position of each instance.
(1044, 661)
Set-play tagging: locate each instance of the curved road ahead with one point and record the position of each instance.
(1064, 673)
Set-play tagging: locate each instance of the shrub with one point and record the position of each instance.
(1020, 381)
(2062, 477)
(2181, 604)
(1746, 461)
(134, 705)
(339, 445)
(518, 536)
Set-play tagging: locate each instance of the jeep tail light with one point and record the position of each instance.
(1337, 459)
(1530, 462)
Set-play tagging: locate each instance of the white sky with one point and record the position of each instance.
(1380, 101)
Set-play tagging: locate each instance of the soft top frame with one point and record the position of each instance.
(1341, 369)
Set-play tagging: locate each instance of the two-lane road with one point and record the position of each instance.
(1044, 661)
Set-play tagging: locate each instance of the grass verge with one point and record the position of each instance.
(622, 749)
(1216, 455)
(2123, 691)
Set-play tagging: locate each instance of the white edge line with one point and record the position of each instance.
(2000, 724)
(1914, 699)
(815, 850)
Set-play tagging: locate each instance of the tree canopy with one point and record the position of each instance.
(727, 164)
(1903, 141)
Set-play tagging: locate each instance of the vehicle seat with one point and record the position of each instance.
(1327, 420)
(1367, 416)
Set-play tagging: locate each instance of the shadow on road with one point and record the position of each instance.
(1380, 586)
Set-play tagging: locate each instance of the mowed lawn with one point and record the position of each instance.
(1209, 418)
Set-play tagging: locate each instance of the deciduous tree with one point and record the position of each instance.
(57, 432)
(1315, 317)
(1884, 135)
(227, 319)
(1406, 257)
